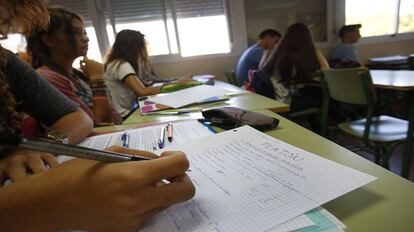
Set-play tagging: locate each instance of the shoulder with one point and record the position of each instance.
(119, 69)
(119, 65)
(255, 49)
(344, 47)
(51, 75)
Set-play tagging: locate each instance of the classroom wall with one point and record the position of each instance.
(216, 66)
(219, 65)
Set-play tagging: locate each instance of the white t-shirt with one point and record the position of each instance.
(121, 96)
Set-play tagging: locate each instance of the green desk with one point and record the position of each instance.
(242, 99)
(383, 205)
(400, 80)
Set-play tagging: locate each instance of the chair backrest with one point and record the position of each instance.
(349, 85)
(231, 78)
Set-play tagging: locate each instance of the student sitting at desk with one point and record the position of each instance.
(292, 66)
(344, 55)
(126, 63)
(23, 91)
(250, 59)
(78, 194)
(295, 60)
(53, 51)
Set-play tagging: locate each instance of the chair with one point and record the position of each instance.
(380, 134)
(232, 79)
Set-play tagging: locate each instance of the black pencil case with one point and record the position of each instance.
(232, 117)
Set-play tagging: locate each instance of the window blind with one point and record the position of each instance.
(79, 7)
(129, 11)
(198, 8)
(279, 14)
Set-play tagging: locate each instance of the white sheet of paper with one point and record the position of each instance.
(146, 138)
(249, 181)
(397, 58)
(190, 95)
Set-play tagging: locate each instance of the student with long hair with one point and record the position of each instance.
(53, 52)
(78, 194)
(125, 65)
(292, 66)
(23, 91)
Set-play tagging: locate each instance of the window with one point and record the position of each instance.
(388, 17)
(280, 14)
(406, 20)
(185, 27)
(14, 42)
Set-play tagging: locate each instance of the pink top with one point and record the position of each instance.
(64, 85)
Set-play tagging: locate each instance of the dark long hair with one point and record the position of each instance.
(295, 57)
(59, 18)
(129, 46)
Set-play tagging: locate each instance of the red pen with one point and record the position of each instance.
(170, 132)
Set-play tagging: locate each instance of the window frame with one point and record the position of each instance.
(340, 21)
(234, 12)
(98, 16)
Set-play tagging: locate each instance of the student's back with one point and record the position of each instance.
(250, 59)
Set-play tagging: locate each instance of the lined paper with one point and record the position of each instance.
(146, 138)
(248, 181)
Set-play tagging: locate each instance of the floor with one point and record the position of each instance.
(395, 161)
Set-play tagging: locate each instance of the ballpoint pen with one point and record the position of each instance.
(161, 141)
(125, 139)
(16, 141)
(170, 132)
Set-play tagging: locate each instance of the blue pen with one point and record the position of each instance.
(161, 141)
(125, 139)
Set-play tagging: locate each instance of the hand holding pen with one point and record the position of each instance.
(16, 141)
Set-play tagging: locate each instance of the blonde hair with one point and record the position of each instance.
(17, 16)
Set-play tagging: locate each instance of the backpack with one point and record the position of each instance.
(260, 83)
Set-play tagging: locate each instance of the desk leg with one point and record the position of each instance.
(408, 149)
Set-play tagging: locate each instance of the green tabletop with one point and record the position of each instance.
(387, 204)
(242, 99)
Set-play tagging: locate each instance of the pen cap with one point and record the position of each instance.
(9, 139)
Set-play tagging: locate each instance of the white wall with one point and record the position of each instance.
(218, 65)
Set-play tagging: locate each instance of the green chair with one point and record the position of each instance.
(380, 134)
(232, 79)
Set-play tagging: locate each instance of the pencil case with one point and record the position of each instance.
(232, 117)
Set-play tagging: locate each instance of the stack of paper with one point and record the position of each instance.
(194, 95)
(247, 181)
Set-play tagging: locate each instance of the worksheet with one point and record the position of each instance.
(249, 181)
(146, 138)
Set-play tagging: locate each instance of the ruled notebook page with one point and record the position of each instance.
(248, 181)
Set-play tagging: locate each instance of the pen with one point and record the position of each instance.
(170, 132)
(125, 139)
(161, 141)
(16, 141)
